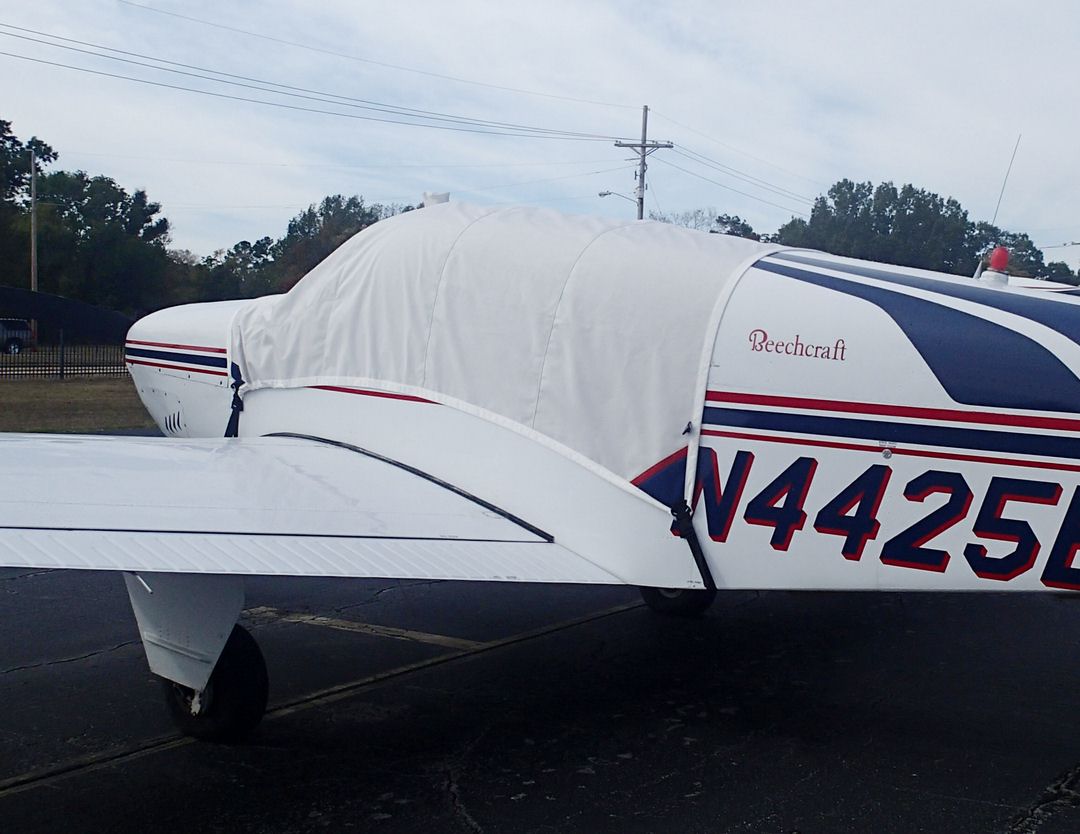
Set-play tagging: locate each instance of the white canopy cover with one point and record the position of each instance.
(592, 334)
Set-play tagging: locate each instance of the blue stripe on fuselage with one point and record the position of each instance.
(977, 362)
(909, 433)
(1064, 318)
(189, 358)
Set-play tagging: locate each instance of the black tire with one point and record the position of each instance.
(233, 703)
(672, 602)
(13, 346)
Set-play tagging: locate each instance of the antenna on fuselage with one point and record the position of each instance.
(993, 220)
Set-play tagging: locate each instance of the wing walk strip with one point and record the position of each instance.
(88, 764)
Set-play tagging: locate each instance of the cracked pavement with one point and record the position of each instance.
(1063, 794)
(776, 712)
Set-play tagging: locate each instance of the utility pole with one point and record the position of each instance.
(644, 148)
(33, 239)
(33, 222)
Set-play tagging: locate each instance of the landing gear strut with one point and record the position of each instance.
(234, 700)
(678, 602)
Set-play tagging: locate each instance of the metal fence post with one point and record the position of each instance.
(61, 353)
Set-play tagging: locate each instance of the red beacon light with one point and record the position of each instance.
(995, 274)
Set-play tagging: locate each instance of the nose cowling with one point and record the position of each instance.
(178, 359)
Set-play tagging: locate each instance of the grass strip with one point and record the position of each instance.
(71, 405)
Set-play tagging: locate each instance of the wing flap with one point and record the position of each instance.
(276, 505)
(294, 556)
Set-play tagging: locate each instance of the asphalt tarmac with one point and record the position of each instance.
(431, 707)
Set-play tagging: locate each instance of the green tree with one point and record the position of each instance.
(252, 269)
(732, 224)
(1024, 258)
(907, 226)
(14, 198)
(316, 232)
(185, 278)
(15, 163)
(244, 271)
(1060, 271)
(100, 243)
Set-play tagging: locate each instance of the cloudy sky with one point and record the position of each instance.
(768, 103)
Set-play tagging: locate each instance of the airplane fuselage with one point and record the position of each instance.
(859, 429)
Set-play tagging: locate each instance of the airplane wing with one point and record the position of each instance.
(284, 505)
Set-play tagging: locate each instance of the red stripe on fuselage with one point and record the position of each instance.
(919, 453)
(177, 347)
(366, 393)
(953, 415)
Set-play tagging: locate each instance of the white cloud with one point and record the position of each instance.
(930, 93)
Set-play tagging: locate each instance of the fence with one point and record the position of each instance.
(62, 360)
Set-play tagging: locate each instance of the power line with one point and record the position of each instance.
(740, 151)
(1055, 228)
(320, 95)
(284, 89)
(330, 165)
(383, 64)
(409, 116)
(545, 179)
(211, 206)
(559, 199)
(729, 188)
(183, 206)
(701, 159)
(282, 105)
(413, 115)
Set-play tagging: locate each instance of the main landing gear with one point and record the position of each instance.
(234, 700)
(678, 602)
(213, 674)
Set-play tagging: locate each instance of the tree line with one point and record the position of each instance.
(97, 242)
(906, 226)
(100, 243)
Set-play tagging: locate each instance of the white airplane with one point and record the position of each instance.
(511, 394)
